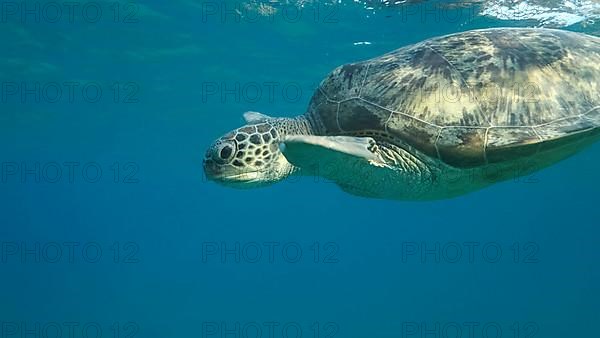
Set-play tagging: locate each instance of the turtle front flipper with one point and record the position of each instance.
(353, 163)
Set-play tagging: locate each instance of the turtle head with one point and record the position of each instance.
(247, 157)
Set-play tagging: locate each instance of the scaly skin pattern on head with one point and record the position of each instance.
(250, 156)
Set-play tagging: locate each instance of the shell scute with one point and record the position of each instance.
(357, 115)
(507, 143)
(417, 133)
(563, 127)
(344, 82)
(322, 113)
(462, 147)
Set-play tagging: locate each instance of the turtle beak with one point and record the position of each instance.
(224, 175)
(211, 169)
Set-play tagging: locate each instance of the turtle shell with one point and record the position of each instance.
(472, 98)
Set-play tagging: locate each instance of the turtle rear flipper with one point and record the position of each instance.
(350, 162)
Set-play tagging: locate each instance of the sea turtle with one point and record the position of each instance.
(433, 120)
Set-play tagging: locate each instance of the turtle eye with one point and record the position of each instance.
(224, 153)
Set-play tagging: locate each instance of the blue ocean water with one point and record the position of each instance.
(110, 229)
